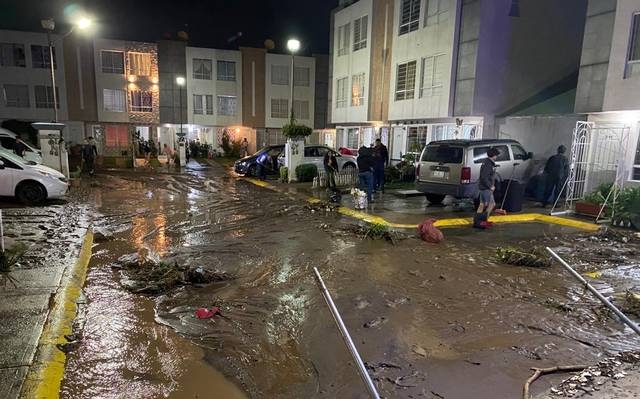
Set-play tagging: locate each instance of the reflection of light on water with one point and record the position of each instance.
(154, 229)
(161, 242)
(284, 273)
(289, 314)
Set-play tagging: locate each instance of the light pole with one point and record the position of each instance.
(181, 81)
(293, 45)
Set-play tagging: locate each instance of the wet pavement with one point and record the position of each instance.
(429, 320)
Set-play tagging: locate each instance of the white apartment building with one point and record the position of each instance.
(278, 92)
(25, 77)
(609, 81)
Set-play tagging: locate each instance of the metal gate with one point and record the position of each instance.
(597, 157)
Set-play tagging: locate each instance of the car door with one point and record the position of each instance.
(504, 167)
(312, 156)
(520, 162)
(9, 172)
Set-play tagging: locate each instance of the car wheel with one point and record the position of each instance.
(349, 168)
(435, 198)
(252, 170)
(31, 193)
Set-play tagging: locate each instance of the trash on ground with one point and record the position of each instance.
(429, 233)
(204, 313)
(513, 256)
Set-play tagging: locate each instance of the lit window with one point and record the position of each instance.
(280, 75)
(279, 108)
(301, 76)
(202, 69)
(360, 33)
(301, 109)
(227, 71)
(343, 39)
(409, 16)
(357, 90)
(16, 96)
(341, 92)
(203, 104)
(140, 64)
(12, 54)
(116, 136)
(353, 138)
(437, 12)
(406, 81)
(112, 61)
(44, 97)
(141, 101)
(114, 100)
(432, 76)
(227, 105)
(40, 57)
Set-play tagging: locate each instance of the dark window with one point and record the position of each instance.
(40, 57)
(636, 163)
(12, 54)
(634, 46)
(112, 61)
(7, 142)
(518, 153)
(443, 154)
(409, 16)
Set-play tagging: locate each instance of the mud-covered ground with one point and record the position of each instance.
(430, 321)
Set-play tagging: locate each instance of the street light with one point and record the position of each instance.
(293, 45)
(50, 25)
(180, 81)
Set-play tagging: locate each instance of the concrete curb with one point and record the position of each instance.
(47, 369)
(445, 223)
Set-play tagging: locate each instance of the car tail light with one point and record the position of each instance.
(418, 172)
(465, 175)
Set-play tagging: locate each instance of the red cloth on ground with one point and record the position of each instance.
(204, 313)
(429, 233)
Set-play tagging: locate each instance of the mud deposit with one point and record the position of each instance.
(431, 321)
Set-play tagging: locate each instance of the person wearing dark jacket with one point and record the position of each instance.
(486, 187)
(19, 148)
(89, 154)
(381, 160)
(556, 170)
(365, 170)
(330, 168)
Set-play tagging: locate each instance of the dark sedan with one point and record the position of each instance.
(248, 165)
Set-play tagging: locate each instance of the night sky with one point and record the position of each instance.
(209, 23)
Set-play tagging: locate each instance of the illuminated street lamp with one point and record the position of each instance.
(293, 45)
(181, 81)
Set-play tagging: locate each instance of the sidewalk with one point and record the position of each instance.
(37, 313)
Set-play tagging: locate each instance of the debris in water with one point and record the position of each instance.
(375, 322)
(429, 233)
(513, 256)
(420, 351)
(204, 313)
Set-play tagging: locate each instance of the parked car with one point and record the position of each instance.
(314, 154)
(8, 139)
(28, 181)
(452, 167)
(248, 165)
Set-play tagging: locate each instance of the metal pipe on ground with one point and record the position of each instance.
(595, 292)
(362, 370)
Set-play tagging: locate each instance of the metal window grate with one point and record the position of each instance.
(360, 26)
(406, 81)
(409, 16)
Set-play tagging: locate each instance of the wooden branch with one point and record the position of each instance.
(538, 372)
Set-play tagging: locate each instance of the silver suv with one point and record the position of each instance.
(452, 167)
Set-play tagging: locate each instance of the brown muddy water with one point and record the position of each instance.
(430, 321)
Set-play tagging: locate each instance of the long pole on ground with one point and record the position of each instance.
(362, 370)
(595, 292)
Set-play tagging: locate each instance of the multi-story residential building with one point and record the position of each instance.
(609, 83)
(439, 69)
(25, 77)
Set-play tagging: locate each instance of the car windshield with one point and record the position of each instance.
(14, 158)
(442, 154)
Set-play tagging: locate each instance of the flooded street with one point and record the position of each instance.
(431, 321)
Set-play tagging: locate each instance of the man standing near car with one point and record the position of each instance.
(486, 186)
(556, 170)
(365, 170)
(381, 160)
(19, 148)
(330, 168)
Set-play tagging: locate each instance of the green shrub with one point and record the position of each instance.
(231, 148)
(391, 174)
(293, 130)
(306, 172)
(284, 174)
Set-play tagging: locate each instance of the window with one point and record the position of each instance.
(279, 108)
(12, 54)
(360, 33)
(416, 139)
(227, 71)
(409, 16)
(343, 39)
(40, 57)
(141, 101)
(116, 136)
(280, 75)
(480, 153)
(406, 81)
(519, 153)
(203, 104)
(202, 69)
(114, 100)
(357, 90)
(44, 97)
(634, 47)
(353, 138)
(436, 12)
(341, 92)
(432, 76)
(636, 163)
(443, 132)
(315, 152)
(16, 96)
(443, 154)
(301, 109)
(112, 61)
(140, 64)
(227, 105)
(301, 76)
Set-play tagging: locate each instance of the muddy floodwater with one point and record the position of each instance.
(430, 321)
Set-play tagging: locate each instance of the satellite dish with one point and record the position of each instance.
(269, 44)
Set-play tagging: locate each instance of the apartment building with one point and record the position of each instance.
(25, 77)
(440, 69)
(609, 83)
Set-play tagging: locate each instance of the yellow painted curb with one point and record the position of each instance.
(450, 222)
(47, 370)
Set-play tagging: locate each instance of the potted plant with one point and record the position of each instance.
(293, 130)
(592, 204)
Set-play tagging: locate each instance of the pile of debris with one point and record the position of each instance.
(145, 276)
(323, 206)
(372, 231)
(534, 257)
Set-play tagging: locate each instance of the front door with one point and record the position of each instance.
(399, 143)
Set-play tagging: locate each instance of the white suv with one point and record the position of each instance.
(29, 182)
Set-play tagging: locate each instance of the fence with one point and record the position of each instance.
(344, 178)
